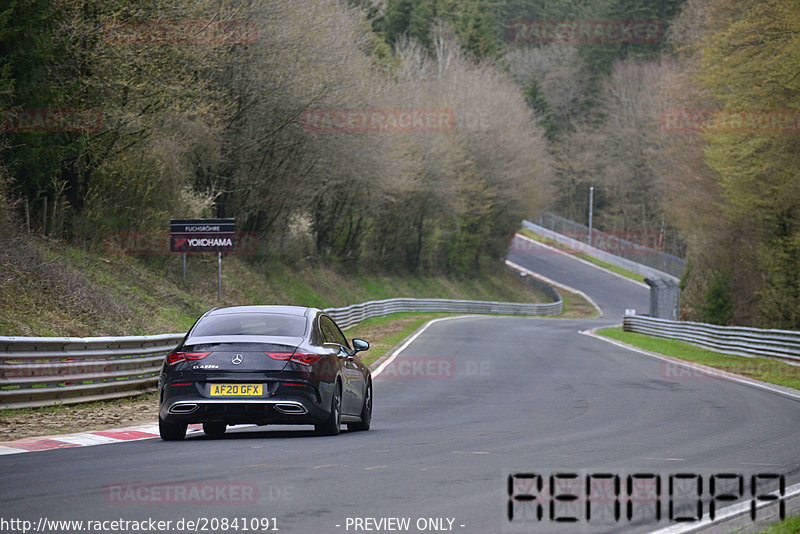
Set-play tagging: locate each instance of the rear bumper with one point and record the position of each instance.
(242, 411)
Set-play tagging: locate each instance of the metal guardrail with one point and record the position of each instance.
(607, 257)
(44, 371)
(637, 252)
(351, 315)
(738, 340)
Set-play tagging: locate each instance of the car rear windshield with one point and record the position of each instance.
(250, 324)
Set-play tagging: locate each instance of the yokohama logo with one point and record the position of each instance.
(215, 242)
(159, 243)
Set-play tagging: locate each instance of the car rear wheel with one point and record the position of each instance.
(333, 424)
(171, 431)
(215, 430)
(366, 412)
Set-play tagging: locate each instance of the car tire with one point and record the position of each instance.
(215, 430)
(366, 412)
(333, 424)
(171, 431)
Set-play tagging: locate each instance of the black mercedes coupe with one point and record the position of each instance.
(264, 365)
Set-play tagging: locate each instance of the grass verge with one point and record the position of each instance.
(385, 333)
(583, 256)
(764, 369)
(575, 306)
(57, 289)
(790, 525)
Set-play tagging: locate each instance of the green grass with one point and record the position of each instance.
(575, 306)
(764, 369)
(790, 525)
(583, 256)
(382, 345)
(60, 289)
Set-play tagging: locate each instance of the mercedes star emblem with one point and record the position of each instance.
(237, 359)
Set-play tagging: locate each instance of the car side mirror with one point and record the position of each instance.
(360, 345)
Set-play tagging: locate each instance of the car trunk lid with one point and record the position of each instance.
(239, 356)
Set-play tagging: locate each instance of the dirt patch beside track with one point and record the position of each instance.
(20, 424)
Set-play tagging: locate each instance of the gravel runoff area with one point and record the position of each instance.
(18, 424)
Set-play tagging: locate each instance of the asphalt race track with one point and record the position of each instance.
(469, 402)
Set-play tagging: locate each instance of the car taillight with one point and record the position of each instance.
(305, 359)
(178, 357)
(297, 357)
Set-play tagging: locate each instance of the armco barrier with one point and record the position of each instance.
(607, 257)
(738, 340)
(43, 371)
(351, 315)
(614, 244)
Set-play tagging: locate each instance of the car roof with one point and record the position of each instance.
(299, 311)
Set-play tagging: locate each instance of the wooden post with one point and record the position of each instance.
(54, 223)
(44, 217)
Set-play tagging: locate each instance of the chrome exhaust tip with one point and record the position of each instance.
(182, 408)
(287, 408)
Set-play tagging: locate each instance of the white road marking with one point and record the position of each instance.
(90, 438)
(87, 439)
(694, 367)
(590, 264)
(725, 514)
(410, 340)
(557, 284)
